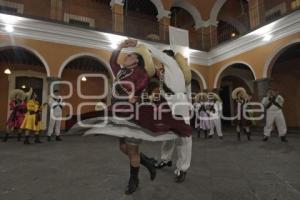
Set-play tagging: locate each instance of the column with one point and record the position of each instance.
(117, 15)
(260, 88)
(256, 12)
(56, 12)
(164, 24)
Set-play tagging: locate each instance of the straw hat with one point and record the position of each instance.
(15, 92)
(145, 53)
(185, 68)
(29, 93)
(201, 95)
(240, 90)
(214, 96)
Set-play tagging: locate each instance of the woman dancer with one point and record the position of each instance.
(241, 98)
(18, 108)
(143, 125)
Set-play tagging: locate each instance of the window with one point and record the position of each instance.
(275, 12)
(79, 20)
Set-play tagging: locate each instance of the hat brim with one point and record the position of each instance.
(145, 53)
(185, 68)
(20, 93)
(238, 90)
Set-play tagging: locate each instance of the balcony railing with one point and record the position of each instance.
(98, 15)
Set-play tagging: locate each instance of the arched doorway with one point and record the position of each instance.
(27, 70)
(90, 80)
(233, 20)
(284, 72)
(233, 76)
(141, 19)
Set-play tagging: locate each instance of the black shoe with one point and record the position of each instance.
(49, 138)
(26, 141)
(265, 139)
(283, 139)
(180, 177)
(37, 139)
(210, 136)
(58, 138)
(249, 136)
(133, 181)
(205, 134)
(5, 138)
(149, 164)
(19, 138)
(239, 136)
(163, 164)
(221, 137)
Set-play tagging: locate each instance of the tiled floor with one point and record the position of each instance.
(90, 168)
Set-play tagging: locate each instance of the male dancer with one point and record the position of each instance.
(183, 145)
(215, 112)
(273, 103)
(56, 105)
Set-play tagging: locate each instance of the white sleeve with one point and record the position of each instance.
(265, 101)
(280, 100)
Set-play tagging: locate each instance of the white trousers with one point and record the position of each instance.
(216, 124)
(54, 125)
(184, 152)
(277, 118)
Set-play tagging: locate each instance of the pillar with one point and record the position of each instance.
(256, 13)
(117, 16)
(164, 24)
(56, 12)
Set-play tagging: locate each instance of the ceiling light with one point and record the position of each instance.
(267, 38)
(7, 71)
(9, 28)
(83, 79)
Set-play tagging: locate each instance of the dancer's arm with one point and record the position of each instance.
(115, 67)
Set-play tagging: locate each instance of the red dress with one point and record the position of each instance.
(16, 118)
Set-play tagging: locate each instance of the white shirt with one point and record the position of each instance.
(279, 99)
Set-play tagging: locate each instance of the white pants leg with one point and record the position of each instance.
(280, 124)
(51, 126)
(270, 119)
(218, 125)
(167, 150)
(57, 127)
(212, 127)
(184, 153)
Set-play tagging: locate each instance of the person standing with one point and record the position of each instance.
(215, 112)
(241, 98)
(56, 105)
(32, 121)
(273, 103)
(18, 108)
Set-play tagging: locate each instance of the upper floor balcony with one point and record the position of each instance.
(209, 24)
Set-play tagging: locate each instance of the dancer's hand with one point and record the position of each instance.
(128, 43)
(133, 99)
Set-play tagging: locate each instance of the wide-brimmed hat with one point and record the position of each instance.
(201, 95)
(239, 90)
(15, 92)
(29, 93)
(185, 68)
(214, 96)
(145, 53)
